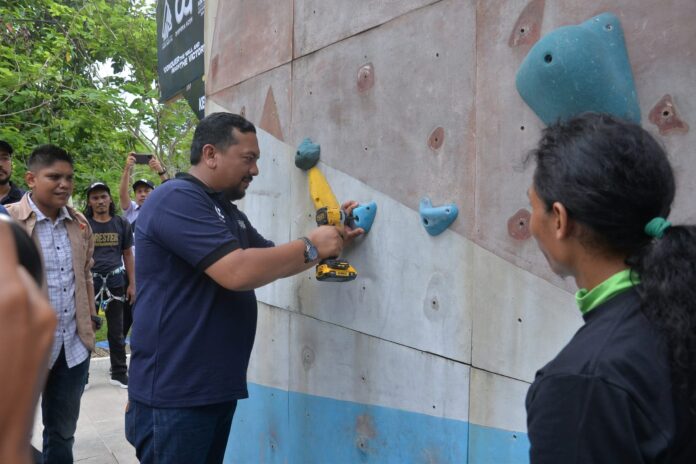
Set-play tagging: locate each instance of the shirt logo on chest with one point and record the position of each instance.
(241, 224)
(219, 213)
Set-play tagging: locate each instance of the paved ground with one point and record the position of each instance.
(99, 438)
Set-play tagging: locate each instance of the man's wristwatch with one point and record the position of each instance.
(97, 321)
(310, 251)
(163, 172)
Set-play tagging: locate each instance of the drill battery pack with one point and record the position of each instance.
(335, 270)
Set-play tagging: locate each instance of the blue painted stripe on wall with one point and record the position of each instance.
(488, 445)
(276, 426)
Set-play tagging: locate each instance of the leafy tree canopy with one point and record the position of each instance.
(51, 90)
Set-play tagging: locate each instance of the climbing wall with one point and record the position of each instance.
(428, 355)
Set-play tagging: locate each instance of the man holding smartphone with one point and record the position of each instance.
(142, 187)
(131, 208)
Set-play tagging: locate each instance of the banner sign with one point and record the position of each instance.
(195, 96)
(179, 44)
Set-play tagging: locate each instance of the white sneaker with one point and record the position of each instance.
(120, 381)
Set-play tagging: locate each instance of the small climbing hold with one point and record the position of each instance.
(307, 155)
(366, 77)
(580, 68)
(666, 117)
(528, 26)
(364, 215)
(436, 219)
(518, 225)
(437, 138)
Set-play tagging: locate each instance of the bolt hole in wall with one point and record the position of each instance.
(665, 113)
(521, 128)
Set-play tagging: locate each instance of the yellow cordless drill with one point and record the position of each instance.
(329, 213)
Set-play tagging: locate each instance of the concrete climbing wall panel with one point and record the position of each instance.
(401, 285)
(331, 361)
(351, 397)
(249, 37)
(380, 95)
(270, 204)
(264, 99)
(497, 430)
(405, 280)
(345, 19)
(390, 396)
(272, 341)
(520, 321)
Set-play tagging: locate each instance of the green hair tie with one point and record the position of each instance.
(657, 226)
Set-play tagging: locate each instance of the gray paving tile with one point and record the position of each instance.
(99, 438)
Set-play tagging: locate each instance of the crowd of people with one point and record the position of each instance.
(622, 390)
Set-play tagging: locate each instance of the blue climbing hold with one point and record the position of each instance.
(364, 215)
(436, 219)
(580, 68)
(307, 155)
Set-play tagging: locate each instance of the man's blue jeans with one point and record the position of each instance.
(179, 435)
(60, 408)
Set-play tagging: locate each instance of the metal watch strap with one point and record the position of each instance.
(308, 244)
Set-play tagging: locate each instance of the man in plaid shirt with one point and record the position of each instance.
(65, 240)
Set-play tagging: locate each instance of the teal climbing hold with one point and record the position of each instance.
(580, 68)
(364, 215)
(307, 155)
(436, 219)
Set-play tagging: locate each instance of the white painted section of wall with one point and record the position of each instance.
(521, 321)
(269, 204)
(330, 361)
(497, 401)
(407, 279)
(270, 361)
(412, 288)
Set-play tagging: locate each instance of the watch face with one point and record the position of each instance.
(312, 253)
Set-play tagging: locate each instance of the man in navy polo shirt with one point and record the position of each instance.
(197, 264)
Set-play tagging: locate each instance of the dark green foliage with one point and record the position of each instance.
(51, 90)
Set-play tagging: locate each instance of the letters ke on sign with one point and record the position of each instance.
(179, 44)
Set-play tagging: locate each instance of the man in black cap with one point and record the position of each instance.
(113, 261)
(9, 192)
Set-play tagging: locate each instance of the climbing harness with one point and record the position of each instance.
(104, 296)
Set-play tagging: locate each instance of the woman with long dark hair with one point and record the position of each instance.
(624, 388)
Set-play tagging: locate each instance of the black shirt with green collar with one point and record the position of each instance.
(607, 397)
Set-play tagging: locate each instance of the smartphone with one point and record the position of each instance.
(142, 158)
